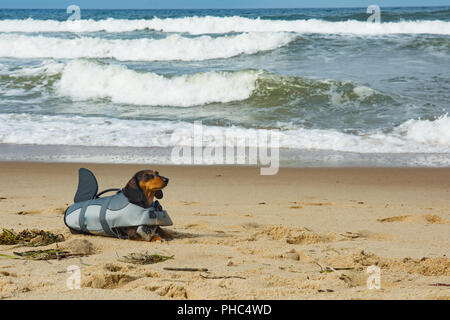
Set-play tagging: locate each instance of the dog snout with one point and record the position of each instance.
(165, 180)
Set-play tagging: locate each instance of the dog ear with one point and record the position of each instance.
(159, 194)
(133, 192)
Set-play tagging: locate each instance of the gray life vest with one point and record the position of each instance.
(105, 216)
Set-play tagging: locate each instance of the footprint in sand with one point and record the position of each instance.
(51, 210)
(107, 280)
(365, 234)
(81, 246)
(439, 266)
(433, 218)
(205, 214)
(293, 235)
(182, 235)
(319, 204)
(393, 219)
(112, 276)
(293, 255)
(7, 274)
(427, 218)
(23, 213)
(200, 226)
(58, 210)
(295, 205)
(171, 291)
(250, 225)
(357, 201)
(190, 203)
(300, 204)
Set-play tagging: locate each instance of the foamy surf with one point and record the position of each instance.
(413, 136)
(82, 80)
(211, 24)
(173, 47)
(336, 88)
(435, 132)
(87, 80)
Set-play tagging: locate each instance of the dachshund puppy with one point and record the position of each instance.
(142, 188)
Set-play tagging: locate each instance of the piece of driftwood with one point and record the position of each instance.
(332, 269)
(140, 258)
(186, 269)
(352, 235)
(440, 284)
(222, 277)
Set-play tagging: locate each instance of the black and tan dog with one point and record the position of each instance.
(142, 188)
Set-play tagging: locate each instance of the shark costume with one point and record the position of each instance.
(105, 216)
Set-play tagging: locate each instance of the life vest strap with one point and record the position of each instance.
(81, 218)
(107, 190)
(103, 221)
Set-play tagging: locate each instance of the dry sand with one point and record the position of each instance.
(260, 237)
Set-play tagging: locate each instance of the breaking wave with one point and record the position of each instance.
(413, 136)
(210, 24)
(174, 47)
(89, 80)
(82, 80)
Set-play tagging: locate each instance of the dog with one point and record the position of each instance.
(142, 188)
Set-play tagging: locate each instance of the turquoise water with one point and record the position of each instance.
(341, 91)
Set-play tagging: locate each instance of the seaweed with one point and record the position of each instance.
(49, 254)
(8, 256)
(140, 258)
(8, 237)
(29, 238)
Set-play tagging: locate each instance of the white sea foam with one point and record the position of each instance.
(210, 24)
(435, 132)
(174, 47)
(412, 136)
(82, 80)
(363, 91)
(46, 67)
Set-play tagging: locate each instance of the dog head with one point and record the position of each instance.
(144, 186)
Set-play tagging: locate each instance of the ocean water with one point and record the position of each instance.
(117, 85)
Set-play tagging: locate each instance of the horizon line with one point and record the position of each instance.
(255, 8)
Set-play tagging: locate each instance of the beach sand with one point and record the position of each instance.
(300, 234)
